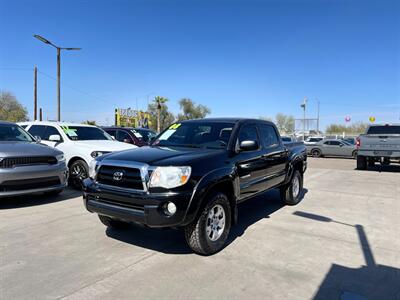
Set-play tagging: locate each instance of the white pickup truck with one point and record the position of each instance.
(80, 143)
(380, 143)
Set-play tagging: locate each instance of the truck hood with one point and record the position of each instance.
(165, 156)
(105, 145)
(13, 149)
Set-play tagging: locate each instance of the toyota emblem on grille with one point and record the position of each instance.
(117, 176)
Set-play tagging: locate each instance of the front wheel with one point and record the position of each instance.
(208, 233)
(291, 193)
(78, 171)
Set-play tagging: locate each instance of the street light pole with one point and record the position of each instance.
(58, 85)
(42, 39)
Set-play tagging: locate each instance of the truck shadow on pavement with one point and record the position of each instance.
(370, 281)
(172, 241)
(37, 199)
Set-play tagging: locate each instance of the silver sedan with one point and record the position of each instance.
(332, 148)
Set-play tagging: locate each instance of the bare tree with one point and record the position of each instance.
(10, 109)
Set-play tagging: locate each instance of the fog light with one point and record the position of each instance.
(170, 209)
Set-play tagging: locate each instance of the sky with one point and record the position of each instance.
(240, 58)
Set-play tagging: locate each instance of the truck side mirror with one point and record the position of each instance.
(248, 145)
(55, 138)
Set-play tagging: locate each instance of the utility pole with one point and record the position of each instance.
(318, 116)
(42, 39)
(303, 106)
(35, 94)
(40, 115)
(58, 85)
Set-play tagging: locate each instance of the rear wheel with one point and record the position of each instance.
(208, 233)
(78, 171)
(112, 223)
(354, 154)
(371, 162)
(316, 153)
(361, 163)
(291, 193)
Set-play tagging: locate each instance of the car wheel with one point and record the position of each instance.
(371, 162)
(78, 171)
(354, 154)
(361, 163)
(291, 193)
(112, 223)
(208, 233)
(316, 153)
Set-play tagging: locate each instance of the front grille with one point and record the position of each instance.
(131, 177)
(11, 162)
(28, 184)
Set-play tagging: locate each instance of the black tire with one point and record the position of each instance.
(371, 162)
(54, 193)
(78, 171)
(112, 223)
(354, 154)
(316, 153)
(196, 232)
(290, 195)
(361, 163)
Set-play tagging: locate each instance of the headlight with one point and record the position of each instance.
(95, 154)
(92, 168)
(170, 177)
(60, 158)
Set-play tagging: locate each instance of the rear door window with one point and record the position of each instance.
(269, 136)
(384, 130)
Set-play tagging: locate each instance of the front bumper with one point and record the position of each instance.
(135, 206)
(32, 179)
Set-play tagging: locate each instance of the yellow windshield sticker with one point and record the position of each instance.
(175, 126)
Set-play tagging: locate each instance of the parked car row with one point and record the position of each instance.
(46, 156)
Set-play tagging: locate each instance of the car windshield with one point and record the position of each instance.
(85, 133)
(384, 129)
(196, 135)
(14, 133)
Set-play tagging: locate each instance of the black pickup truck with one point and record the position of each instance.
(193, 176)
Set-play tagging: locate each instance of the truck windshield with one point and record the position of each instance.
(196, 135)
(384, 129)
(84, 133)
(14, 133)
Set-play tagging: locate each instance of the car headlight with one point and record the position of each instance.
(170, 177)
(92, 168)
(95, 154)
(60, 158)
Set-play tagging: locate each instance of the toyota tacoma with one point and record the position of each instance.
(193, 175)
